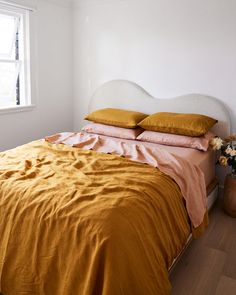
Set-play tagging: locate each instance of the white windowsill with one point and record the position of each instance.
(16, 109)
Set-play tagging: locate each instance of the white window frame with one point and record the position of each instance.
(26, 102)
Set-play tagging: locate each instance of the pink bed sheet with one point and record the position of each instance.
(206, 161)
(182, 171)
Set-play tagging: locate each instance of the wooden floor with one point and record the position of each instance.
(208, 267)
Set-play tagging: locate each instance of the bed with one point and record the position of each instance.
(77, 220)
(129, 95)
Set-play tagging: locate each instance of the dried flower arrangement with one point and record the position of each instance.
(227, 149)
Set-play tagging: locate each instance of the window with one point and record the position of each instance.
(14, 57)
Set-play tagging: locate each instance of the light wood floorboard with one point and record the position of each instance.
(208, 267)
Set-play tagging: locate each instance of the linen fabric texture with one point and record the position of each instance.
(116, 117)
(200, 143)
(114, 131)
(177, 123)
(77, 221)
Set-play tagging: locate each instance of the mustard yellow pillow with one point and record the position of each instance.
(175, 123)
(116, 117)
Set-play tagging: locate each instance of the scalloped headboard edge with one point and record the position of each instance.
(124, 94)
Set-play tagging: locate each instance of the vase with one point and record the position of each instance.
(230, 195)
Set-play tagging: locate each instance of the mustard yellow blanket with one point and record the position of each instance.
(76, 222)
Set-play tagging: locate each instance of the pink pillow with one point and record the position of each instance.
(112, 130)
(199, 143)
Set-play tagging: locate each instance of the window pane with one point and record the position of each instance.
(8, 28)
(8, 78)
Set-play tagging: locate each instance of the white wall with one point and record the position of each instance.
(167, 47)
(53, 78)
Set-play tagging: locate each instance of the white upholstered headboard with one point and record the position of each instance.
(128, 95)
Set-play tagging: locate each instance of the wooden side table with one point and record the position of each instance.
(230, 195)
